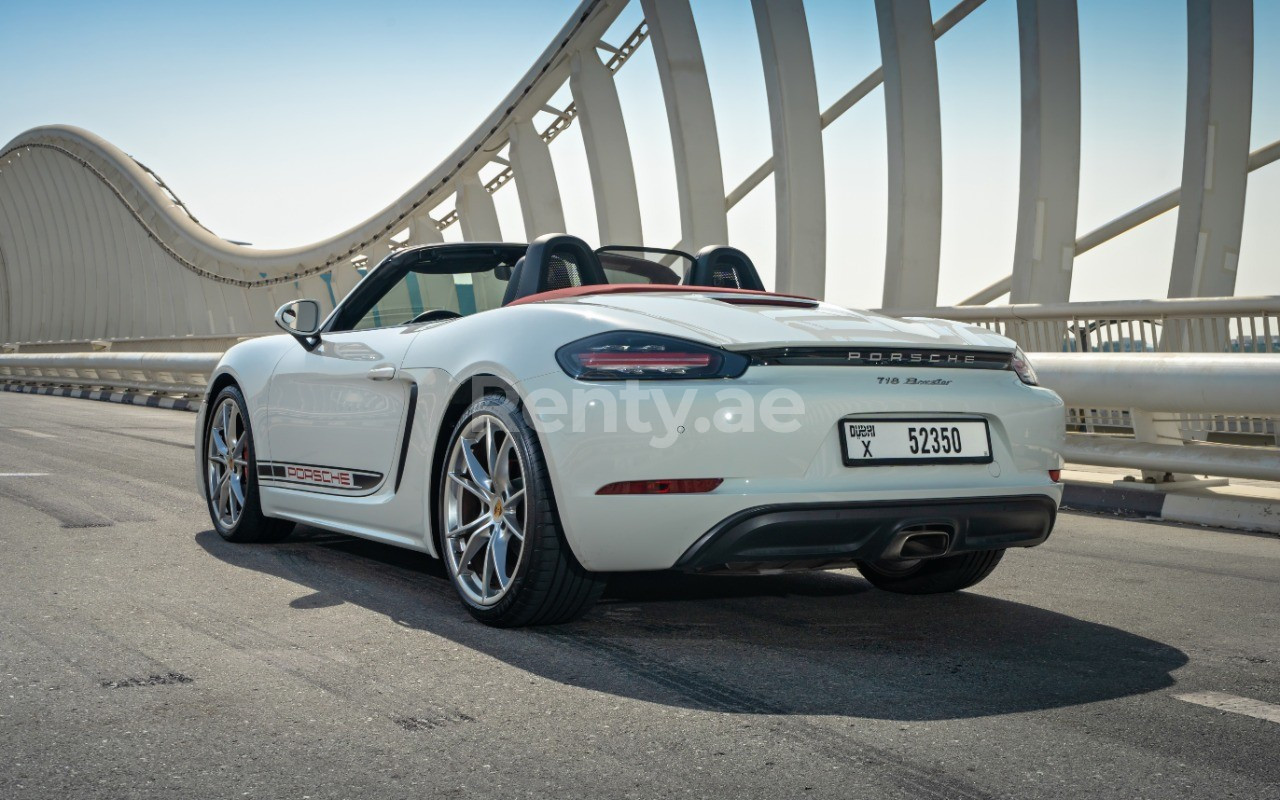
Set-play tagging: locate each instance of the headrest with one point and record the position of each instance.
(513, 283)
(724, 267)
(554, 261)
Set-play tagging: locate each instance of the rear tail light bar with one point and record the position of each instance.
(641, 361)
(632, 355)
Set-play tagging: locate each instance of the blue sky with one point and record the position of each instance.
(282, 123)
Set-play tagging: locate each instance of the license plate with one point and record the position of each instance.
(882, 442)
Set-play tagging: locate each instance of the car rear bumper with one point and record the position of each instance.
(718, 430)
(815, 536)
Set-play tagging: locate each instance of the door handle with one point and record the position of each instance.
(381, 373)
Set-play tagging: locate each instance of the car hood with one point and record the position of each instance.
(739, 325)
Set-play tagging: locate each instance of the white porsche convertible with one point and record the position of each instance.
(542, 415)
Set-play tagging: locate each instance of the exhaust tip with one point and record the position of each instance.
(925, 545)
(928, 540)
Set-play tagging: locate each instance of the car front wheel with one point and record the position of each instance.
(231, 474)
(498, 530)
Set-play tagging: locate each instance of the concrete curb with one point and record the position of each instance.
(128, 398)
(1196, 507)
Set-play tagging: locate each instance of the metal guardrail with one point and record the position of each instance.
(1157, 391)
(1180, 325)
(165, 344)
(1170, 382)
(160, 373)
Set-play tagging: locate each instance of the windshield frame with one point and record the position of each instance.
(379, 281)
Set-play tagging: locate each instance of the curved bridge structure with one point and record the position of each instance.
(94, 246)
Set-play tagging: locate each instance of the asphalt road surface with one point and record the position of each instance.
(143, 656)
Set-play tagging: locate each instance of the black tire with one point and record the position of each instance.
(935, 575)
(250, 525)
(547, 585)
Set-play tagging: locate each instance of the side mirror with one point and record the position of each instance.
(301, 320)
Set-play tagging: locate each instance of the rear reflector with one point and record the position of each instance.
(1055, 475)
(673, 486)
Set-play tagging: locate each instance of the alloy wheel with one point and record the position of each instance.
(227, 463)
(485, 510)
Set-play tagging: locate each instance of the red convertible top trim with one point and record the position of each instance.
(634, 288)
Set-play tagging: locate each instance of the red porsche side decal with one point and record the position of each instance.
(338, 479)
(320, 477)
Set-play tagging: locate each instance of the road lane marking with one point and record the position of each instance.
(1236, 705)
(24, 474)
(36, 434)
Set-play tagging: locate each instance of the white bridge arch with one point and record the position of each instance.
(93, 245)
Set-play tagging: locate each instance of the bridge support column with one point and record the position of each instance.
(914, 125)
(604, 135)
(476, 213)
(1158, 429)
(694, 140)
(536, 184)
(429, 291)
(1215, 155)
(1049, 185)
(795, 119)
(423, 230)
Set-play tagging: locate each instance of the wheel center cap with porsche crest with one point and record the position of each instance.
(497, 508)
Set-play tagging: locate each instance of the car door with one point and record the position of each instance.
(336, 415)
(338, 409)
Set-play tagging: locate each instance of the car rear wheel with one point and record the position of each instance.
(934, 575)
(499, 533)
(231, 474)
